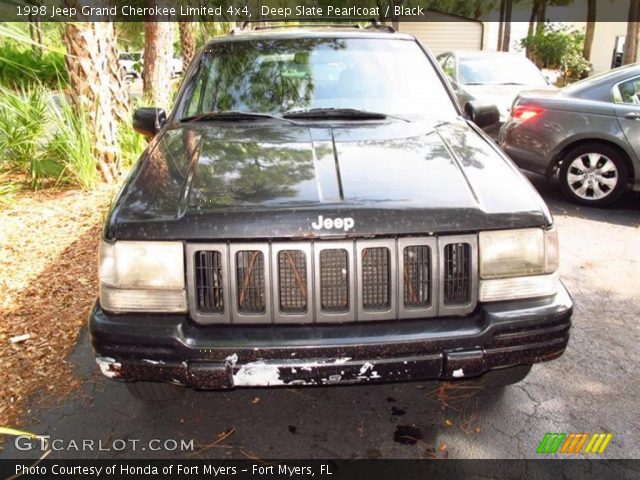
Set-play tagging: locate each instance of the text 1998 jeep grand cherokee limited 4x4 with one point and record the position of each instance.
(316, 210)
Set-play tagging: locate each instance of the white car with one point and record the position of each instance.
(131, 64)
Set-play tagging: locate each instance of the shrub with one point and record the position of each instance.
(132, 144)
(25, 135)
(559, 48)
(42, 136)
(22, 68)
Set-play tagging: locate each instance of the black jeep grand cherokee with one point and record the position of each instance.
(316, 210)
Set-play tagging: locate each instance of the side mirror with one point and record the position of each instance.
(483, 115)
(149, 121)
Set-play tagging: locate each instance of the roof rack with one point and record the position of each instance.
(339, 22)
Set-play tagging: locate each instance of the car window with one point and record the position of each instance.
(277, 75)
(629, 92)
(499, 70)
(448, 66)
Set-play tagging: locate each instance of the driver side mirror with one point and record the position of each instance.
(149, 121)
(483, 115)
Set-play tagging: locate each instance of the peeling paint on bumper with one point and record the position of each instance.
(173, 350)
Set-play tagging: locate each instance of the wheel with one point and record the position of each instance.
(593, 174)
(154, 392)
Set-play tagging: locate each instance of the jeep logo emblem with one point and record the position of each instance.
(346, 223)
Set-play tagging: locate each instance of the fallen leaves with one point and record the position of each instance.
(48, 249)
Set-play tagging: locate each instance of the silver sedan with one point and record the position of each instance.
(589, 132)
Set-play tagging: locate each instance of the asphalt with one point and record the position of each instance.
(593, 387)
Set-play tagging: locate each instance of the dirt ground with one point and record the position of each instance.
(48, 269)
(593, 387)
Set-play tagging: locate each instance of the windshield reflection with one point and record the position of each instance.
(275, 76)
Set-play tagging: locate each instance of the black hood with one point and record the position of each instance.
(229, 180)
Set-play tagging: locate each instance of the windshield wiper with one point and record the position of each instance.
(340, 113)
(231, 115)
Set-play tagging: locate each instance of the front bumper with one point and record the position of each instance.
(173, 349)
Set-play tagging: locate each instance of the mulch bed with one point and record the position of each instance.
(48, 283)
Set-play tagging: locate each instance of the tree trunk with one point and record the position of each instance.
(532, 23)
(35, 32)
(501, 26)
(188, 42)
(631, 42)
(542, 15)
(158, 56)
(591, 29)
(95, 88)
(506, 41)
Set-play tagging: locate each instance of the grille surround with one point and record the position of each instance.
(312, 251)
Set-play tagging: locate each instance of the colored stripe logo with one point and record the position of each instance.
(574, 443)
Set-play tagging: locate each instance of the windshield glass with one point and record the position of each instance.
(130, 56)
(499, 70)
(393, 77)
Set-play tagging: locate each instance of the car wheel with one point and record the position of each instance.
(154, 392)
(594, 175)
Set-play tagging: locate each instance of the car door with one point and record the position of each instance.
(626, 95)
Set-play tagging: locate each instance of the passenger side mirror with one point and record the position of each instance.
(483, 115)
(149, 121)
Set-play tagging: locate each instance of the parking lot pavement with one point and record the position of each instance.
(592, 388)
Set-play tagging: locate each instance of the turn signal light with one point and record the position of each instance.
(524, 114)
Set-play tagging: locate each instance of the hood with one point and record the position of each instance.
(274, 180)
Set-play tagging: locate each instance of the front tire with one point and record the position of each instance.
(154, 392)
(594, 174)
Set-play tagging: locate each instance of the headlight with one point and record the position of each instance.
(142, 276)
(517, 263)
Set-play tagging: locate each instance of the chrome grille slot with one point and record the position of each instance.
(376, 279)
(334, 280)
(323, 281)
(416, 276)
(209, 281)
(292, 281)
(457, 274)
(250, 281)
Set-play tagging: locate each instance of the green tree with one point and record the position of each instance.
(558, 48)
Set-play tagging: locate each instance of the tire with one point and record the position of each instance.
(594, 174)
(154, 392)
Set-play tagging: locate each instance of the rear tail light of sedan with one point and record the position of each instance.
(525, 113)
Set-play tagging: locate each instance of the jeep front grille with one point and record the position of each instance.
(250, 272)
(334, 280)
(376, 278)
(292, 281)
(416, 276)
(209, 281)
(457, 274)
(325, 281)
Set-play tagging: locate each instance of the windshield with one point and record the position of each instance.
(134, 57)
(392, 77)
(500, 70)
